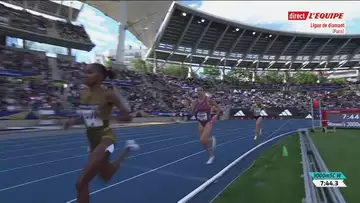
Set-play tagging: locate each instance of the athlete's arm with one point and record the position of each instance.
(124, 112)
(252, 107)
(71, 122)
(216, 105)
(193, 106)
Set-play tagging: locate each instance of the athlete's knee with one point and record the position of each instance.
(79, 185)
(258, 121)
(203, 140)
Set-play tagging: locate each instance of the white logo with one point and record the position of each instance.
(308, 116)
(239, 113)
(285, 113)
(263, 113)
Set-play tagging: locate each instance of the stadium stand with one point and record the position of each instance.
(160, 93)
(201, 39)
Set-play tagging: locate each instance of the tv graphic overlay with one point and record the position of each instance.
(328, 179)
(332, 22)
(347, 118)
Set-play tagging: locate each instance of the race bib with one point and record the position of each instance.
(202, 116)
(257, 110)
(90, 118)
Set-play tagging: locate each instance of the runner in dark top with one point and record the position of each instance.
(256, 108)
(95, 108)
(201, 108)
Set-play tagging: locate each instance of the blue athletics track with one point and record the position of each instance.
(169, 165)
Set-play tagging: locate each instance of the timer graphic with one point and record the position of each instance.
(350, 116)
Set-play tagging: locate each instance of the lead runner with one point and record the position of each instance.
(95, 109)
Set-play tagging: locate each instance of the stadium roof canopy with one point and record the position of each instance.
(143, 17)
(60, 9)
(190, 36)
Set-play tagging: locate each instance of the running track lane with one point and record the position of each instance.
(170, 163)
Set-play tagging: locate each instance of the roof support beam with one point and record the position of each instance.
(234, 45)
(339, 49)
(201, 37)
(193, 51)
(302, 49)
(175, 48)
(286, 47)
(219, 40)
(356, 64)
(354, 53)
(252, 45)
(320, 49)
(268, 46)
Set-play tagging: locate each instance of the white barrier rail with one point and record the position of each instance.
(223, 171)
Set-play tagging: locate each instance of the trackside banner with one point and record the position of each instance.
(270, 113)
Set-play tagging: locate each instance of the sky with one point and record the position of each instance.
(266, 14)
(103, 30)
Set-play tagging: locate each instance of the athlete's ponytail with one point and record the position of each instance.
(107, 72)
(110, 74)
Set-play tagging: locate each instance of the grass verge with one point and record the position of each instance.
(273, 178)
(340, 151)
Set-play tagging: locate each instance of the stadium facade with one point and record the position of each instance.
(195, 38)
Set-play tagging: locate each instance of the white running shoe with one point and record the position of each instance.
(131, 144)
(211, 160)
(213, 143)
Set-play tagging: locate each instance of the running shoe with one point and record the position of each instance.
(211, 160)
(131, 144)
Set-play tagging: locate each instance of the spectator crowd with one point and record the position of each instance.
(150, 92)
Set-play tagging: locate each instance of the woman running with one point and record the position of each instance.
(201, 108)
(256, 108)
(95, 108)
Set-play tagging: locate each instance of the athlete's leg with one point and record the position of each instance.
(208, 142)
(90, 170)
(107, 169)
(258, 126)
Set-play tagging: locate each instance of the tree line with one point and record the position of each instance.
(208, 72)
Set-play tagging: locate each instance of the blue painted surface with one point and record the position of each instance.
(169, 165)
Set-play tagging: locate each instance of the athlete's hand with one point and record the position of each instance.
(214, 119)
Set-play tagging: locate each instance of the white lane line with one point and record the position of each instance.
(167, 173)
(155, 169)
(72, 171)
(80, 147)
(130, 157)
(72, 157)
(85, 141)
(72, 137)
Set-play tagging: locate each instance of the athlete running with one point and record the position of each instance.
(256, 108)
(201, 108)
(95, 109)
